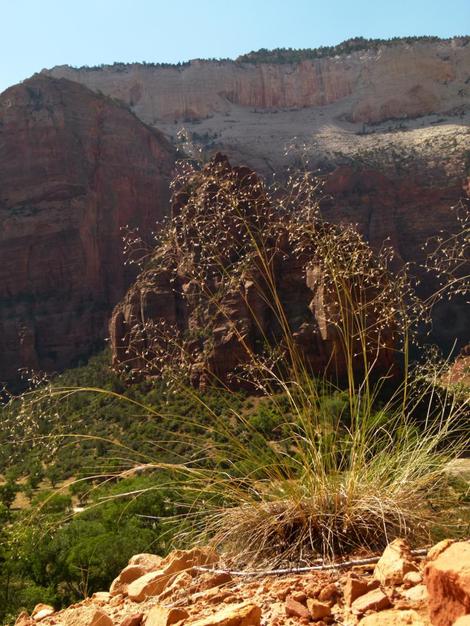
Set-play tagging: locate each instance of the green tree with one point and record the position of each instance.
(8, 492)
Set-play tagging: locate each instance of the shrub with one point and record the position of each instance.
(341, 468)
(318, 466)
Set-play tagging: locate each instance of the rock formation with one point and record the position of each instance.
(207, 299)
(332, 107)
(186, 589)
(75, 168)
(405, 80)
(390, 125)
(448, 580)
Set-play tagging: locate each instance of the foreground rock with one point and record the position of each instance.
(235, 615)
(87, 617)
(393, 618)
(75, 168)
(447, 578)
(395, 563)
(163, 616)
(352, 598)
(151, 577)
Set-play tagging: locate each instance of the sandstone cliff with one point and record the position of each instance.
(390, 125)
(372, 85)
(74, 169)
(252, 111)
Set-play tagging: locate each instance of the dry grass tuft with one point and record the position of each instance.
(333, 476)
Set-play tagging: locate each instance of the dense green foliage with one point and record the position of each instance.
(47, 554)
(50, 554)
(80, 432)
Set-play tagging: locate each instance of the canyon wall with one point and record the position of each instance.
(372, 85)
(75, 168)
(388, 127)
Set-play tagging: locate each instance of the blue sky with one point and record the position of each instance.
(41, 33)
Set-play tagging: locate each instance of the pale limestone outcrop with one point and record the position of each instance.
(398, 81)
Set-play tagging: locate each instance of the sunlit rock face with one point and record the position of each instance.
(390, 125)
(75, 168)
(336, 106)
(405, 80)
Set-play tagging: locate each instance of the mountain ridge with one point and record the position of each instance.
(390, 126)
(287, 54)
(326, 107)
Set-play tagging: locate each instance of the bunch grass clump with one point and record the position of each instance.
(333, 476)
(349, 462)
(327, 483)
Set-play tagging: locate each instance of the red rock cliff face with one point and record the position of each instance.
(409, 210)
(74, 169)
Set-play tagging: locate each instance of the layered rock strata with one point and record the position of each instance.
(390, 125)
(405, 80)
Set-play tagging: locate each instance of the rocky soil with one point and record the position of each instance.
(191, 588)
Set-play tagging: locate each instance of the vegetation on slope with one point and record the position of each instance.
(355, 44)
(62, 452)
